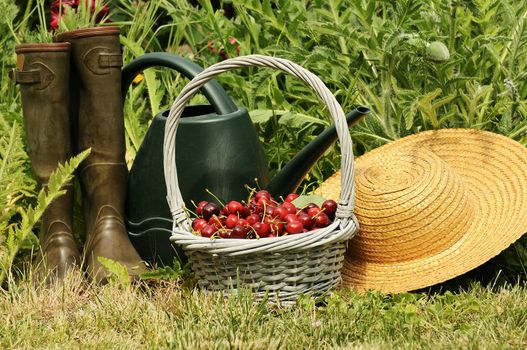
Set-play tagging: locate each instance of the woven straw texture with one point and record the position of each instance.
(284, 267)
(433, 206)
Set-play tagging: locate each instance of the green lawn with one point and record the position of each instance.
(77, 315)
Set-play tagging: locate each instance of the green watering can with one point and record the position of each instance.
(217, 148)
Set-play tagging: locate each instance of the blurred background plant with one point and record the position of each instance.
(417, 64)
(69, 15)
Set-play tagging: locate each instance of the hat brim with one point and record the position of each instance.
(494, 169)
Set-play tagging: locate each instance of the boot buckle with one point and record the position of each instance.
(25, 77)
(43, 76)
(108, 60)
(99, 61)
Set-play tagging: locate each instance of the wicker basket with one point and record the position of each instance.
(282, 267)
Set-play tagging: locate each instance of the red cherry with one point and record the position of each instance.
(224, 211)
(216, 220)
(313, 212)
(252, 219)
(231, 220)
(330, 207)
(198, 224)
(310, 205)
(254, 208)
(209, 210)
(226, 234)
(277, 227)
(291, 209)
(322, 220)
(262, 194)
(269, 210)
(245, 211)
(291, 218)
(239, 231)
(291, 197)
(263, 201)
(208, 230)
(262, 229)
(200, 207)
(294, 227)
(242, 222)
(305, 219)
(234, 207)
(280, 212)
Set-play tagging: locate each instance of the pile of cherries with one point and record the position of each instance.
(263, 216)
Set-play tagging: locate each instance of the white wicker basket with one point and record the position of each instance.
(284, 267)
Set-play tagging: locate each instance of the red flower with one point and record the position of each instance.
(54, 22)
(233, 41)
(221, 51)
(59, 7)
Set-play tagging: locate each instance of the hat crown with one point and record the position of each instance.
(411, 204)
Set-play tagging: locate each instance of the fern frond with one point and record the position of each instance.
(119, 272)
(17, 234)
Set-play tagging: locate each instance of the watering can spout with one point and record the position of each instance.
(292, 174)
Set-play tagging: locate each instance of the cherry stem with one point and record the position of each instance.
(317, 214)
(215, 197)
(191, 212)
(257, 183)
(251, 190)
(256, 233)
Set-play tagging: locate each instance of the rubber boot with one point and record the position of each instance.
(43, 75)
(96, 69)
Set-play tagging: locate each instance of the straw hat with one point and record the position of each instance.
(433, 206)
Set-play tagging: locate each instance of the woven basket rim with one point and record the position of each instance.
(234, 246)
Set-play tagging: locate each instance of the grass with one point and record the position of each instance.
(75, 314)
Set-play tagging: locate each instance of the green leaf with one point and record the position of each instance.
(299, 120)
(31, 241)
(154, 90)
(304, 200)
(163, 273)
(259, 116)
(119, 272)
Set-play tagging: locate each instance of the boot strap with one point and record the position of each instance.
(108, 60)
(25, 77)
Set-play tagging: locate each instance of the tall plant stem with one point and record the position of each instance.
(505, 53)
(386, 98)
(453, 26)
(27, 11)
(341, 40)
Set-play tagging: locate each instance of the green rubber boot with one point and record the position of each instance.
(43, 75)
(96, 69)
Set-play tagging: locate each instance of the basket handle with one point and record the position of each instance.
(175, 201)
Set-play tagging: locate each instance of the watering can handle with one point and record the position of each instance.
(215, 94)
